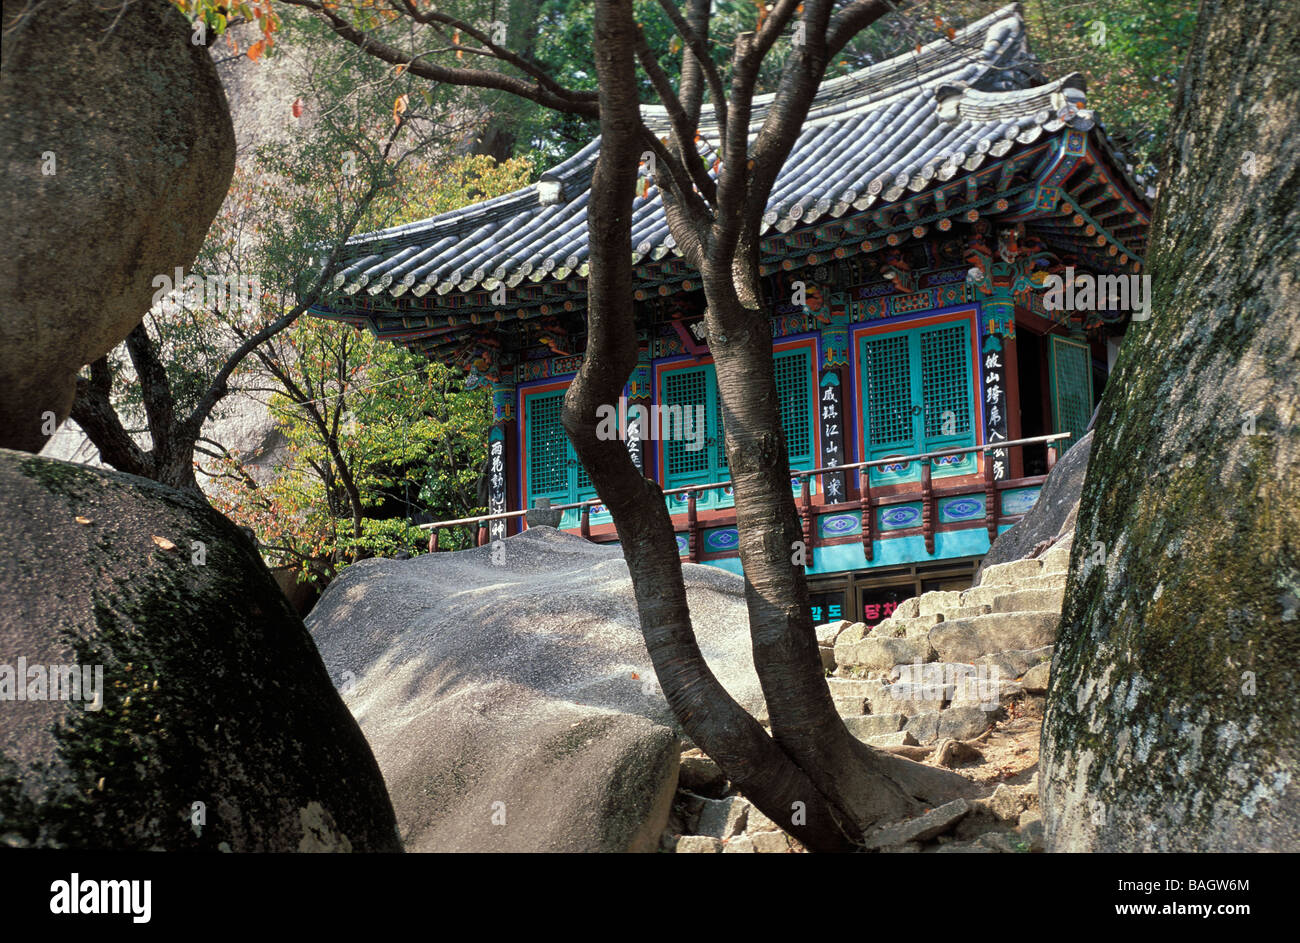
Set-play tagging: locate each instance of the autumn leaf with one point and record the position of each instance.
(635, 676)
(297, 107)
(255, 51)
(164, 543)
(82, 520)
(399, 106)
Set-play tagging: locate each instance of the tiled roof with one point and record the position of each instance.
(873, 137)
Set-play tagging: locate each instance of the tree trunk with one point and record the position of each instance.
(710, 716)
(1171, 722)
(863, 785)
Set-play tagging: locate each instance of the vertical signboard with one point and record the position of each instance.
(830, 410)
(995, 403)
(497, 481)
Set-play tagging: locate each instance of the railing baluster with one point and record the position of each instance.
(585, 527)
(927, 507)
(868, 516)
(805, 515)
(692, 530)
(991, 509)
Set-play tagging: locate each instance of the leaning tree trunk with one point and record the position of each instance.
(1171, 721)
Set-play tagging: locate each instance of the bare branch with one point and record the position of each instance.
(542, 92)
(699, 59)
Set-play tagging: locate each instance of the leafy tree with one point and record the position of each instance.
(835, 785)
(369, 426)
(379, 437)
(254, 277)
(1131, 52)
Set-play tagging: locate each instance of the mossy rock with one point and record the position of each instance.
(212, 693)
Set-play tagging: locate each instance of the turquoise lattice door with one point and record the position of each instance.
(918, 397)
(693, 387)
(1071, 388)
(553, 468)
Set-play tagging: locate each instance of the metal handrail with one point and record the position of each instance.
(852, 466)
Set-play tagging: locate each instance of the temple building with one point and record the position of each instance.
(950, 255)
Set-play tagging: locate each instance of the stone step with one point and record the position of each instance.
(1002, 574)
(850, 706)
(1007, 599)
(1016, 662)
(906, 628)
(907, 609)
(966, 612)
(1044, 581)
(936, 674)
(882, 654)
(874, 725)
(955, 723)
(991, 691)
(910, 699)
(828, 632)
(846, 687)
(965, 640)
(937, 601)
(1035, 679)
(1057, 557)
(900, 739)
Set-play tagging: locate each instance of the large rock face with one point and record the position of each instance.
(211, 693)
(1172, 721)
(1052, 515)
(512, 707)
(117, 149)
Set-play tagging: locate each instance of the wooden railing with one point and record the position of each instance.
(866, 504)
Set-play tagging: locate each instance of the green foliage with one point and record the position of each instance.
(1131, 52)
(377, 436)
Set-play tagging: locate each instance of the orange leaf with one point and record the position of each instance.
(635, 676)
(255, 51)
(164, 543)
(82, 520)
(297, 108)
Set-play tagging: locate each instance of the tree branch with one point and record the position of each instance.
(565, 100)
(92, 410)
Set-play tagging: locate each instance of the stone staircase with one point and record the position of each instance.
(944, 667)
(946, 664)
